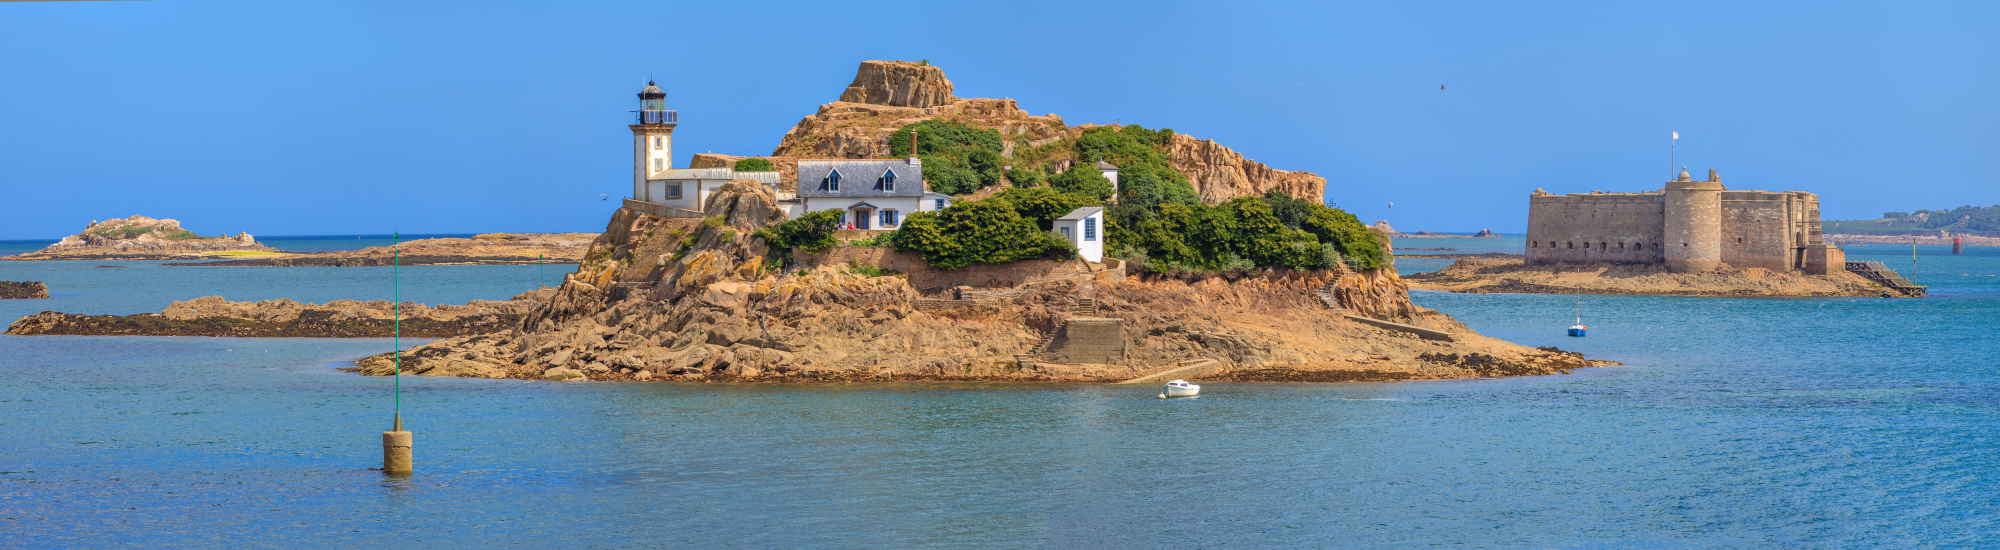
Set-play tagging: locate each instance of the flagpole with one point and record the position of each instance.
(1672, 159)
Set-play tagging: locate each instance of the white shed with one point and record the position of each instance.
(1084, 227)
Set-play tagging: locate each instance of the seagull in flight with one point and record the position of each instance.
(1392, 205)
(603, 197)
(1440, 86)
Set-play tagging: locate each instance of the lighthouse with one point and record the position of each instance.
(652, 137)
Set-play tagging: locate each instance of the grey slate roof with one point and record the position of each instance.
(1101, 165)
(1082, 213)
(858, 178)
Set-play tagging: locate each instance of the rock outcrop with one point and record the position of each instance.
(684, 299)
(483, 249)
(214, 316)
(899, 84)
(1219, 173)
(887, 95)
(1493, 275)
(139, 238)
(24, 290)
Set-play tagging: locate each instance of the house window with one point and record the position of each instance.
(940, 204)
(1536, 244)
(658, 142)
(1571, 245)
(674, 191)
(831, 182)
(1090, 229)
(887, 182)
(1066, 235)
(888, 218)
(656, 164)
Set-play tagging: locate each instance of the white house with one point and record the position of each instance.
(1084, 227)
(689, 188)
(1109, 172)
(870, 193)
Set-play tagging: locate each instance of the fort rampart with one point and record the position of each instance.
(1687, 225)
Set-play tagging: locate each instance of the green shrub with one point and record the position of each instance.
(1026, 177)
(712, 221)
(854, 265)
(971, 232)
(1043, 205)
(813, 231)
(1083, 178)
(958, 159)
(755, 165)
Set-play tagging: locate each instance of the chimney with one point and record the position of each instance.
(913, 147)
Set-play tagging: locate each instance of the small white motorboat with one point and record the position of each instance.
(1181, 388)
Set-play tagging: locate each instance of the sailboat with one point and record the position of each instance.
(1578, 328)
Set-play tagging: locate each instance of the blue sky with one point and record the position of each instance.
(312, 117)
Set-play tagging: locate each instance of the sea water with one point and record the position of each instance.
(1735, 423)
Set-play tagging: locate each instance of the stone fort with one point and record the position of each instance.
(1689, 226)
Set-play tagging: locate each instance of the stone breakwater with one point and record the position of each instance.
(665, 299)
(1501, 275)
(213, 316)
(23, 290)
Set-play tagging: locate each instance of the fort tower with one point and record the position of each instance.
(652, 137)
(1693, 228)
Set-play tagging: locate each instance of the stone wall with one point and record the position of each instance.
(1753, 233)
(979, 276)
(1089, 340)
(1606, 227)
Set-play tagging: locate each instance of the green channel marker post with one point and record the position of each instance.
(396, 443)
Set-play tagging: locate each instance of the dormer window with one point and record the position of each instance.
(831, 182)
(887, 182)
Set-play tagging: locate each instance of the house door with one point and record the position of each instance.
(861, 217)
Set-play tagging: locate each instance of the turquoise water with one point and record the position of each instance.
(1736, 423)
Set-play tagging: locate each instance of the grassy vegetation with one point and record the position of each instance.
(126, 232)
(755, 165)
(1974, 220)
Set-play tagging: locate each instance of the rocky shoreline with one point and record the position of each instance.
(23, 290)
(213, 316)
(712, 309)
(142, 238)
(484, 249)
(1510, 275)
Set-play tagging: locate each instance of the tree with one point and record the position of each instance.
(1043, 205)
(971, 232)
(1895, 215)
(1083, 179)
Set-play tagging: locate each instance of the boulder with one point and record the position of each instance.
(560, 374)
(899, 84)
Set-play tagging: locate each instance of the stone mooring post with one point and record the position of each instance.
(396, 442)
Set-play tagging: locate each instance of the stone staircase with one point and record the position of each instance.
(1881, 274)
(1325, 293)
(1085, 307)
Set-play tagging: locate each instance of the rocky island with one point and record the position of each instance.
(143, 238)
(715, 306)
(484, 249)
(214, 316)
(1005, 261)
(23, 290)
(1493, 275)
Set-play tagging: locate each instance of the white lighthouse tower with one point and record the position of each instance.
(652, 138)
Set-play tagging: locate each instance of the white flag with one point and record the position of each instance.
(1677, 134)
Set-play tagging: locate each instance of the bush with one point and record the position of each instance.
(1043, 205)
(1895, 215)
(1024, 177)
(813, 231)
(1055, 247)
(958, 159)
(1083, 179)
(972, 232)
(755, 165)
